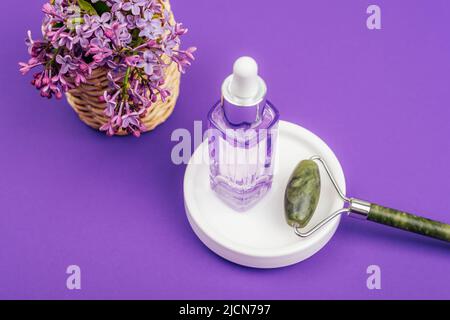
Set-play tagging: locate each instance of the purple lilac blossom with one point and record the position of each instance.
(129, 39)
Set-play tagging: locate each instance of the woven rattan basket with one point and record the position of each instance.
(85, 99)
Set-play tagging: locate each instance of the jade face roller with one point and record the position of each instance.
(303, 193)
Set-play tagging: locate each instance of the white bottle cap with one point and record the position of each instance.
(245, 78)
(244, 92)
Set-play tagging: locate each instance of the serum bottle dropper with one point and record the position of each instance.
(243, 93)
(243, 136)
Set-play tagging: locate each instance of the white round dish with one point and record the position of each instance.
(260, 237)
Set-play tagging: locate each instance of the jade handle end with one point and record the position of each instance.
(409, 222)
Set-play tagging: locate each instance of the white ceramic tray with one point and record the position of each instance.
(260, 237)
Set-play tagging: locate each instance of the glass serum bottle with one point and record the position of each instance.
(242, 138)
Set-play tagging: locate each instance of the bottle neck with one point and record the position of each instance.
(238, 115)
(243, 111)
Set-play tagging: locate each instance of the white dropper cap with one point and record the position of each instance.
(245, 82)
(243, 92)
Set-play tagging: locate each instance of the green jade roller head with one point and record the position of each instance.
(302, 194)
(302, 198)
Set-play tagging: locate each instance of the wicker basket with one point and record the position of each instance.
(86, 103)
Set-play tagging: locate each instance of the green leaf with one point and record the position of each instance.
(87, 7)
(135, 39)
(100, 7)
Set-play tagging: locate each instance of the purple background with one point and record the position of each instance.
(114, 206)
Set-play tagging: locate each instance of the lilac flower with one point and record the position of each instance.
(65, 40)
(50, 10)
(29, 42)
(118, 33)
(111, 103)
(116, 6)
(26, 67)
(108, 128)
(113, 81)
(130, 119)
(147, 62)
(183, 58)
(66, 63)
(130, 41)
(98, 23)
(150, 29)
(79, 78)
(170, 46)
(133, 61)
(84, 32)
(134, 6)
(100, 51)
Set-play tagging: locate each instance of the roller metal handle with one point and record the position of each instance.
(302, 196)
(400, 220)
